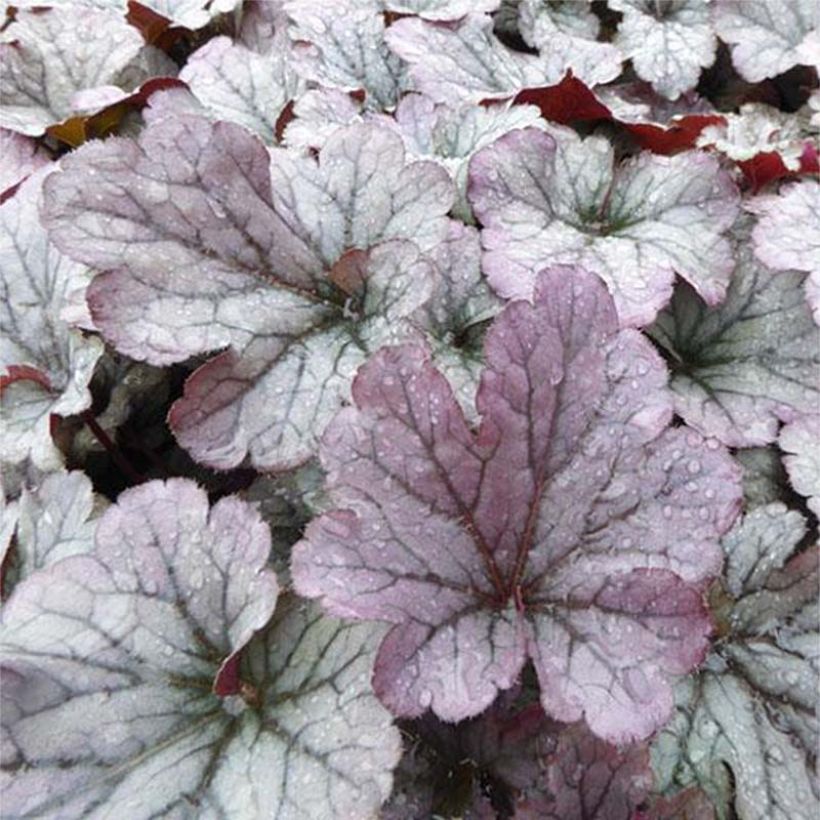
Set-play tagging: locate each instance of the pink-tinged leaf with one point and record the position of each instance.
(49, 56)
(341, 44)
(769, 38)
(212, 247)
(787, 234)
(19, 157)
(752, 706)
(554, 198)
(318, 113)
(800, 440)
(588, 779)
(45, 365)
(134, 635)
(465, 62)
(668, 44)
(740, 368)
(53, 521)
(235, 83)
(579, 529)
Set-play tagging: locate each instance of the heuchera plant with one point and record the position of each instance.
(410, 409)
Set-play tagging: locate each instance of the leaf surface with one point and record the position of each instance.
(799, 440)
(554, 198)
(742, 366)
(45, 365)
(552, 515)
(136, 631)
(753, 704)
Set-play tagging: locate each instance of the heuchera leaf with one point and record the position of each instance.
(588, 779)
(45, 366)
(53, 522)
(571, 29)
(787, 234)
(753, 704)
(668, 43)
(464, 61)
(547, 198)
(769, 38)
(689, 804)
(578, 528)
(469, 769)
(215, 243)
(344, 47)
(740, 367)
(799, 440)
(19, 157)
(243, 86)
(192, 14)
(134, 634)
(50, 55)
(440, 9)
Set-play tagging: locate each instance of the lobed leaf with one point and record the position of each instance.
(579, 530)
(798, 440)
(554, 198)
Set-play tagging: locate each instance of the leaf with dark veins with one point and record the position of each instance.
(752, 706)
(668, 42)
(741, 367)
(341, 44)
(45, 365)
(464, 61)
(211, 242)
(554, 198)
(48, 56)
(134, 634)
(235, 83)
(579, 529)
(53, 521)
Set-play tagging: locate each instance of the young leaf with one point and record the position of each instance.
(579, 529)
(134, 634)
(341, 44)
(465, 62)
(668, 43)
(45, 365)
(245, 265)
(753, 704)
(787, 235)
(238, 84)
(740, 367)
(799, 440)
(769, 38)
(554, 198)
(57, 53)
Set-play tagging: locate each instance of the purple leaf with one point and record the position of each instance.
(752, 706)
(217, 245)
(134, 634)
(587, 779)
(742, 366)
(45, 365)
(558, 199)
(579, 529)
(786, 235)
